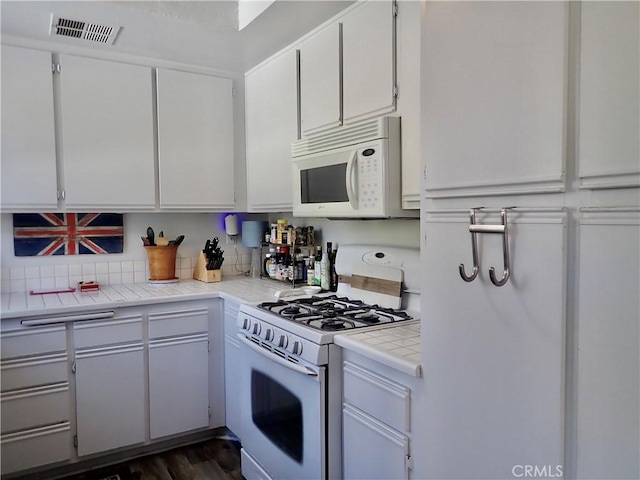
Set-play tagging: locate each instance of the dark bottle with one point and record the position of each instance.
(333, 281)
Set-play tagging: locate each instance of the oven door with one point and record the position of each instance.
(283, 414)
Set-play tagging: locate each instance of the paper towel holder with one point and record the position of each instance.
(231, 225)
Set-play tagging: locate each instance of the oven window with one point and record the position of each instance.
(324, 184)
(277, 413)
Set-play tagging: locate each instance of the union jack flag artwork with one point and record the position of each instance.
(67, 233)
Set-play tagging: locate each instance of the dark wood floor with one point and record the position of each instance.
(217, 459)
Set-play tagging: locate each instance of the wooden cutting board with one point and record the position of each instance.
(375, 284)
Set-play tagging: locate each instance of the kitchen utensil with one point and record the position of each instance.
(151, 236)
(297, 291)
(47, 291)
(145, 241)
(178, 240)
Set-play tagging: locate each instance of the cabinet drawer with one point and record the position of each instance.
(380, 397)
(23, 373)
(38, 446)
(21, 343)
(34, 407)
(122, 330)
(183, 322)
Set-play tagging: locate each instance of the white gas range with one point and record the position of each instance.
(291, 375)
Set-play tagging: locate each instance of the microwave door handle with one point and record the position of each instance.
(265, 353)
(351, 191)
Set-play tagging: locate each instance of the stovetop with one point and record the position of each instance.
(333, 313)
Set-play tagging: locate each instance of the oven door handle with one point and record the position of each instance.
(292, 366)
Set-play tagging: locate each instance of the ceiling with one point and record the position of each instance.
(202, 33)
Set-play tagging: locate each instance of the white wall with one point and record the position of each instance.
(26, 273)
(196, 227)
(394, 232)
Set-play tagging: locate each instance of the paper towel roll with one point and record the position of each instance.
(252, 233)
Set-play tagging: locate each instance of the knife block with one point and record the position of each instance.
(201, 273)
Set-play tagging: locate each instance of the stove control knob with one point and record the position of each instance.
(246, 323)
(297, 348)
(283, 341)
(268, 335)
(256, 328)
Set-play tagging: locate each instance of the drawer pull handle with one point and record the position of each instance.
(69, 318)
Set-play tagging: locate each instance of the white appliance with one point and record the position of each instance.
(350, 172)
(290, 381)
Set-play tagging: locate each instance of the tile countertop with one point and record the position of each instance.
(397, 346)
(239, 289)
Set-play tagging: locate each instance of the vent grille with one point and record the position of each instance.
(84, 30)
(342, 136)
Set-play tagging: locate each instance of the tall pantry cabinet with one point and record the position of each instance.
(532, 105)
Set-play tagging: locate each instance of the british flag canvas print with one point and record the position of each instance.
(67, 233)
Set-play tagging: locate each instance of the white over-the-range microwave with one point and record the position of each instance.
(350, 172)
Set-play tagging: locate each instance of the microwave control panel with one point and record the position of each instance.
(369, 181)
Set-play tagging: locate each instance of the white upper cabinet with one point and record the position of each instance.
(195, 141)
(493, 81)
(28, 133)
(271, 126)
(107, 135)
(609, 95)
(347, 69)
(368, 59)
(320, 81)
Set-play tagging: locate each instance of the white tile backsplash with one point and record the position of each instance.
(32, 272)
(89, 270)
(47, 271)
(17, 273)
(61, 270)
(23, 279)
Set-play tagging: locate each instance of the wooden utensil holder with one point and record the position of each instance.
(201, 273)
(162, 262)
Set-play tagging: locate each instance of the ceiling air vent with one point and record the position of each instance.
(83, 30)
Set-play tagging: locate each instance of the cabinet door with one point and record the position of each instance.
(271, 126)
(320, 81)
(609, 94)
(178, 385)
(110, 398)
(195, 141)
(107, 134)
(494, 356)
(608, 386)
(372, 450)
(231, 373)
(493, 97)
(28, 138)
(368, 58)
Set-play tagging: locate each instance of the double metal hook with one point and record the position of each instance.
(476, 228)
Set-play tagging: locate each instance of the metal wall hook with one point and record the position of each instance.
(505, 254)
(474, 250)
(502, 229)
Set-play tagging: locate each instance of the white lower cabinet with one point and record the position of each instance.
(231, 362)
(141, 374)
(608, 345)
(35, 398)
(110, 390)
(376, 420)
(178, 371)
(384, 449)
